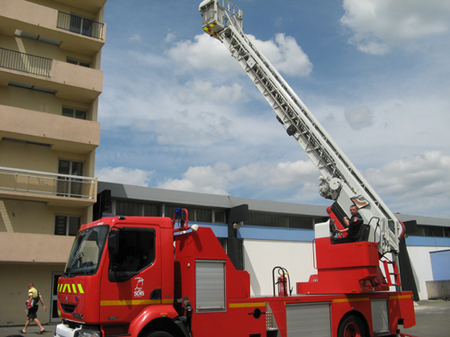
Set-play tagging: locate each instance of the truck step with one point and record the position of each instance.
(272, 332)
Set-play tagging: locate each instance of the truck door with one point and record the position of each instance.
(132, 280)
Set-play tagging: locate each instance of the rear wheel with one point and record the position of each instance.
(352, 326)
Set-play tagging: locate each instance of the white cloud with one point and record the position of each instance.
(124, 175)
(170, 38)
(285, 175)
(203, 53)
(379, 25)
(196, 129)
(206, 52)
(415, 185)
(285, 54)
(199, 89)
(197, 110)
(220, 178)
(204, 179)
(135, 38)
(359, 118)
(145, 60)
(190, 100)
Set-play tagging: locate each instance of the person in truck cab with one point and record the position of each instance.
(353, 226)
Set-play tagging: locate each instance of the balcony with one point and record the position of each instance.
(53, 188)
(60, 132)
(89, 5)
(66, 80)
(76, 34)
(79, 25)
(26, 63)
(48, 245)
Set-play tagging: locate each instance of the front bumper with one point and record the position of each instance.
(63, 330)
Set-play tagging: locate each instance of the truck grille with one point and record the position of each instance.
(68, 308)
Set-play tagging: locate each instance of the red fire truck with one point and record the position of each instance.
(160, 277)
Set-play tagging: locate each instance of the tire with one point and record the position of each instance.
(159, 334)
(291, 130)
(352, 326)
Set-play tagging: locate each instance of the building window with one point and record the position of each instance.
(432, 231)
(195, 214)
(219, 217)
(203, 215)
(301, 222)
(67, 225)
(81, 25)
(128, 208)
(78, 63)
(278, 220)
(152, 210)
(266, 219)
(70, 186)
(438, 231)
(74, 113)
(131, 208)
(206, 215)
(446, 231)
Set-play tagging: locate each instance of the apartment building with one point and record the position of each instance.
(50, 82)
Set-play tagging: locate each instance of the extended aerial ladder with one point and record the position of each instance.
(340, 180)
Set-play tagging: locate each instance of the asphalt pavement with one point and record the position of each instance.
(432, 320)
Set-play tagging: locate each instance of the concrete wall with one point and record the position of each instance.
(421, 263)
(261, 256)
(22, 215)
(438, 290)
(14, 279)
(34, 157)
(36, 101)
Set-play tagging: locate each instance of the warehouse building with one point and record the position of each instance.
(273, 233)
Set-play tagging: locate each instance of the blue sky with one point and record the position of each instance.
(178, 112)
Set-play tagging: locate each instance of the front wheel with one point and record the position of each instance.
(160, 334)
(352, 326)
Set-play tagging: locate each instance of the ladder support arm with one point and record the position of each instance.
(340, 180)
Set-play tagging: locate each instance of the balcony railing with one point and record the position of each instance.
(27, 63)
(48, 184)
(79, 25)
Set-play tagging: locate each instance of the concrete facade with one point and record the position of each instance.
(50, 82)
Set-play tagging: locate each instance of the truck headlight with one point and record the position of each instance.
(88, 333)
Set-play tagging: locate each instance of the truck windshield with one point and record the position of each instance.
(87, 251)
